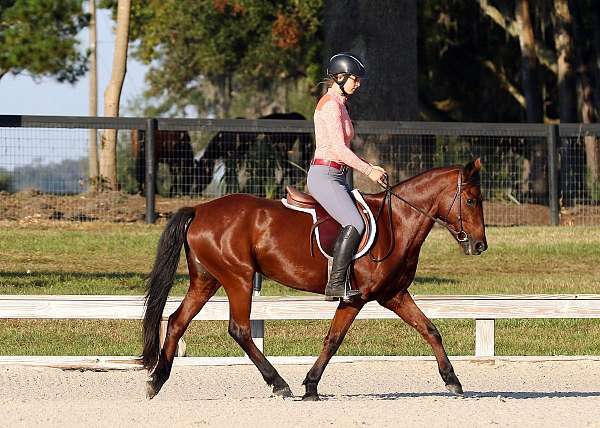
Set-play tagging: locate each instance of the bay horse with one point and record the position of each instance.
(228, 239)
(235, 149)
(172, 148)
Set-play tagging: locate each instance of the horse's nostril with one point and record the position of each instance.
(480, 247)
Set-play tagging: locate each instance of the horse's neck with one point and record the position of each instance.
(422, 192)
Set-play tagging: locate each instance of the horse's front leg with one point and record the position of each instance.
(344, 316)
(404, 305)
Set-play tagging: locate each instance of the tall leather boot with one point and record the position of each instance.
(343, 250)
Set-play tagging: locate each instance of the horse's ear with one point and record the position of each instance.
(471, 170)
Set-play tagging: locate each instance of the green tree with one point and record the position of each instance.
(211, 53)
(40, 37)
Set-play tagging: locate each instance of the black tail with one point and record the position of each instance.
(161, 280)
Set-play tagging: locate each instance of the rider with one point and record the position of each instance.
(333, 161)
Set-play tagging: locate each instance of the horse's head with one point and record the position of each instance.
(462, 206)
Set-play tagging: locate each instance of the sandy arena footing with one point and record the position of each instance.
(379, 394)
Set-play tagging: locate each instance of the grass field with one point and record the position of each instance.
(57, 258)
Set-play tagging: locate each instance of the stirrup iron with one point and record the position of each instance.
(348, 293)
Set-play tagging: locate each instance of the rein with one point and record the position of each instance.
(460, 236)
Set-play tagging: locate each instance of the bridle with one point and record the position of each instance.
(460, 235)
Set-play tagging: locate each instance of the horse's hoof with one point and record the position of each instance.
(153, 387)
(151, 390)
(311, 397)
(284, 392)
(455, 388)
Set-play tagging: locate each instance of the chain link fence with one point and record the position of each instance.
(44, 172)
(44, 165)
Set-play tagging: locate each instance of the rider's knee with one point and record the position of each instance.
(359, 226)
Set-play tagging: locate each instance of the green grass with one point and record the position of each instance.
(366, 337)
(58, 258)
(114, 259)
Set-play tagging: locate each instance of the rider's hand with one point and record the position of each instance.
(378, 174)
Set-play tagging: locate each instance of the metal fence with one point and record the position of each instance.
(533, 173)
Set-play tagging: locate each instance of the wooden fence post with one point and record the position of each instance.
(484, 338)
(150, 153)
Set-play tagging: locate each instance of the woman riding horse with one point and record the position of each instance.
(328, 175)
(228, 240)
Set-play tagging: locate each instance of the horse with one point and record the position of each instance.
(172, 148)
(228, 239)
(228, 146)
(283, 143)
(239, 149)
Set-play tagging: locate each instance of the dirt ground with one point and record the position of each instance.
(379, 394)
(33, 206)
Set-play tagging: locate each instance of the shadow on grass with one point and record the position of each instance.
(76, 282)
(434, 280)
(89, 275)
(78, 275)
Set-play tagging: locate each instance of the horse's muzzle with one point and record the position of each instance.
(473, 248)
(480, 247)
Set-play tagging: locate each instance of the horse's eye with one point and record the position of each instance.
(470, 202)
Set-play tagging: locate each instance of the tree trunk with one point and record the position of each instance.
(93, 101)
(538, 179)
(112, 96)
(544, 55)
(570, 181)
(384, 36)
(531, 87)
(588, 112)
(596, 44)
(564, 49)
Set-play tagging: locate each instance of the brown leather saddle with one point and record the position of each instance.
(325, 228)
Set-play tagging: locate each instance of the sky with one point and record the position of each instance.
(23, 95)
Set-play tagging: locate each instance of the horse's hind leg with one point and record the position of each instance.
(202, 287)
(240, 301)
(404, 306)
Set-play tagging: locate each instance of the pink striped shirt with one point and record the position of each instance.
(334, 131)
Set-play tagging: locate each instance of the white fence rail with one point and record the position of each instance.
(483, 309)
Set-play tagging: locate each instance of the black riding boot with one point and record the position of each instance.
(343, 250)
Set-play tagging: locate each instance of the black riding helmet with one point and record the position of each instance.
(346, 64)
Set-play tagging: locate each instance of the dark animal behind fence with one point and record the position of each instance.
(228, 147)
(270, 160)
(293, 173)
(172, 148)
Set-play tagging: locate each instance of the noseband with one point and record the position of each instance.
(460, 235)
